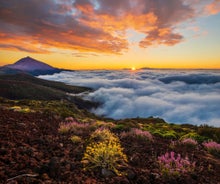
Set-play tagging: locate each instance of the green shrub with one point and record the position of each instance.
(121, 127)
(209, 132)
(170, 134)
(157, 133)
(194, 136)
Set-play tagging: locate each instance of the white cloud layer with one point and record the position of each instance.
(178, 96)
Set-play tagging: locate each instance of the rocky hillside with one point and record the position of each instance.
(55, 142)
(25, 86)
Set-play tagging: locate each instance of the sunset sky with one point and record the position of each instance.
(110, 34)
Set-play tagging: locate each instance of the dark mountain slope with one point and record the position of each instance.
(24, 86)
(5, 70)
(57, 85)
(25, 90)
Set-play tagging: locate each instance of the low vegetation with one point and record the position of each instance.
(104, 152)
(75, 139)
(138, 134)
(56, 142)
(189, 142)
(175, 165)
(213, 147)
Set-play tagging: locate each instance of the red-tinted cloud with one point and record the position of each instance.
(87, 25)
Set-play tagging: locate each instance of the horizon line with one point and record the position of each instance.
(144, 68)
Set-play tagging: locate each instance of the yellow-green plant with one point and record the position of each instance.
(102, 134)
(21, 109)
(16, 108)
(64, 128)
(99, 124)
(106, 153)
(195, 136)
(75, 139)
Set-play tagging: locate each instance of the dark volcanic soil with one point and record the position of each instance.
(32, 151)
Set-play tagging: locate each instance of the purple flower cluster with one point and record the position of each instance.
(171, 165)
(135, 132)
(69, 125)
(141, 133)
(212, 146)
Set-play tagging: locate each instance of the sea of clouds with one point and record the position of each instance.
(178, 96)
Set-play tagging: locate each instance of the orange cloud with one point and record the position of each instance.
(142, 16)
(214, 7)
(19, 43)
(93, 26)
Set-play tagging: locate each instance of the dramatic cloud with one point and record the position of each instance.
(214, 7)
(93, 26)
(177, 96)
(46, 24)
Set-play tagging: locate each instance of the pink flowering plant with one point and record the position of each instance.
(171, 165)
(212, 147)
(69, 119)
(141, 134)
(71, 126)
(189, 142)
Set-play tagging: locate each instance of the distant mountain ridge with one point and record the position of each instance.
(29, 65)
